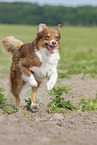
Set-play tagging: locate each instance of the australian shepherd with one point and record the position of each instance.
(33, 62)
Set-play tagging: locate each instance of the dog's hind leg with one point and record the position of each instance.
(16, 92)
(16, 86)
(17, 101)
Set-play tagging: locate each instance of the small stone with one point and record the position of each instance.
(58, 116)
(1, 118)
(32, 122)
(51, 119)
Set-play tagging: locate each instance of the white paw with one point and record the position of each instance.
(50, 86)
(34, 105)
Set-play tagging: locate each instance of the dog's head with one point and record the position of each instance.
(47, 38)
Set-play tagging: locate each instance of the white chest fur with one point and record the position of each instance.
(49, 64)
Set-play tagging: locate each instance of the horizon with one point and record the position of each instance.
(70, 3)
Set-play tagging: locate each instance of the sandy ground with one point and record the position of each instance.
(43, 128)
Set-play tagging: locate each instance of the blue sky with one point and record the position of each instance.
(73, 3)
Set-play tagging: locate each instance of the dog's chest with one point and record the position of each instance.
(49, 64)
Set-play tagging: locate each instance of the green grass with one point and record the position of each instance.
(9, 109)
(24, 33)
(78, 49)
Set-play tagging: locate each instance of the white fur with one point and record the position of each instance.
(34, 105)
(48, 68)
(39, 55)
(53, 40)
(31, 80)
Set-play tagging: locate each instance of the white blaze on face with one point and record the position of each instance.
(53, 42)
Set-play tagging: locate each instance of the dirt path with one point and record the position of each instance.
(43, 128)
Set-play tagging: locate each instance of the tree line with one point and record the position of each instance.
(33, 14)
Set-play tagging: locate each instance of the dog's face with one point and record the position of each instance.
(48, 39)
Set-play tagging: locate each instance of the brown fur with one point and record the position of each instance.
(24, 58)
(11, 44)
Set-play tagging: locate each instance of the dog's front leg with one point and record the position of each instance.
(27, 76)
(34, 95)
(52, 80)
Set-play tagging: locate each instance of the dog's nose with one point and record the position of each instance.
(54, 42)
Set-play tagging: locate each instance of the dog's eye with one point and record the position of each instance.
(57, 37)
(47, 37)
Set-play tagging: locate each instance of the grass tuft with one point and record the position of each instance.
(88, 104)
(59, 105)
(2, 97)
(9, 109)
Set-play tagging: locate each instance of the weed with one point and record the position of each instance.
(2, 97)
(9, 109)
(58, 91)
(2, 89)
(58, 104)
(25, 113)
(28, 101)
(88, 104)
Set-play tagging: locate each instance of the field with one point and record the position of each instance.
(77, 71)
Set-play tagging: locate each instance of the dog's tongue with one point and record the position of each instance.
(51, 48)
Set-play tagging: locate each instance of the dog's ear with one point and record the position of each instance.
(58, 27)
(41, 27)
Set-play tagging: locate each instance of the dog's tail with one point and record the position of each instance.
(11, 44)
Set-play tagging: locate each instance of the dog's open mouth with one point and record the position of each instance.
(50, 48)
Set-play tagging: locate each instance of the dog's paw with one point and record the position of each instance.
(50, 86)
(34, 106)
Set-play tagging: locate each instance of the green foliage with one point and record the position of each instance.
(25, 113)
(58, 91)
(2, 89)
(28, 102)
(2, 97)
(88, 104)
(33, 14)
(9, 109)
(58, 104)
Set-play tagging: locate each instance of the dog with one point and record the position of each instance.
(33, 62)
